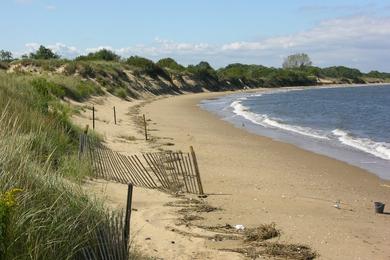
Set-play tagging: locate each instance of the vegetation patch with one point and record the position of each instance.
(263, 232)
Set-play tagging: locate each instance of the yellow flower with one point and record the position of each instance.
(9, 197)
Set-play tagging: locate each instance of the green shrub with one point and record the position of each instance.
(120, 92)
(147, 66)
(70, 68)
(103, 54)
(86, 71)
(170, 64)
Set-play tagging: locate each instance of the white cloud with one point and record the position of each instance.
(359, 41)
(59, 48)
(51, 7)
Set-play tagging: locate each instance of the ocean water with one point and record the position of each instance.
(351, 124)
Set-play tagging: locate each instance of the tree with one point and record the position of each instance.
(298, 60)
(203, 70)
(147, 66)
(44, 53)
(170, 64)
(5, 55)
(103, 54)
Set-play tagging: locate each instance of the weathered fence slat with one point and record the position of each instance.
(170, 171)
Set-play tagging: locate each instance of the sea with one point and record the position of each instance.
(351, 124)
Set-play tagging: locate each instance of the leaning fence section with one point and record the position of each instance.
(170, 171)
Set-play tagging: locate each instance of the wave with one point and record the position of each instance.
(266, 121)
(378, 149)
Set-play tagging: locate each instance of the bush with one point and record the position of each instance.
(147, 66)
(103, 54)
(85, 70)
(203, 71)
(170, 64)
(44, 53)
(70, 68)
(120, 92)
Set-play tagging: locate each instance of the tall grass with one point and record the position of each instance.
(52, 217)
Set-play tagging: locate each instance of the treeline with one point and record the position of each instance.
(297, 69)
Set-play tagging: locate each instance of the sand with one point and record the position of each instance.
(254, 179)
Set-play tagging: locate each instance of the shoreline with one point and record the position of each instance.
(222, 108)
(265, 180)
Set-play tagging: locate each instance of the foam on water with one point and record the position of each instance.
(378, 149)
(266, 121)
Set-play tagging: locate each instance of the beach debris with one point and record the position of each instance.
(262, 232)
(379, 207)
(337, 205)
(239, 227)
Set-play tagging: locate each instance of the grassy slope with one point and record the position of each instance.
(52, 218)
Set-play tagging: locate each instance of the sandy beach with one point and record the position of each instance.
(258, 180)
(253, 179)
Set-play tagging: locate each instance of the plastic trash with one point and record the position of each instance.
(239, 227)
(337, 205)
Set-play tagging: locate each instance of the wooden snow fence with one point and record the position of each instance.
(167, 171)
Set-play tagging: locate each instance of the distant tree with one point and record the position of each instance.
(44, 53)
(170, 64)
(341, 72)
(5, 55)
(203, 70)
(147, 66)
(298, 60)
(103, 54)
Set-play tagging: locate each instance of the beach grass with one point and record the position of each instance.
(50, 217)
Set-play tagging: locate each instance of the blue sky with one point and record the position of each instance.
(344, 32)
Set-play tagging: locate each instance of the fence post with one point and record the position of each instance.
(128, 213)
(114, 115)
(198, 180)
(86, 129)
(93, 117)
(81, 145)
(145, 126)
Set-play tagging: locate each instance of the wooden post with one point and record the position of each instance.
(198, 180)
(114, 115)
(128, 213)
(93, 117)
(86, 129)
(81, 145)
(145, 126)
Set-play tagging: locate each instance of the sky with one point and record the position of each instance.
(354, 33)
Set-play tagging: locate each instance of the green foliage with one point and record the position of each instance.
(46, 88)
(86, 71)
(5, 56)
(52, 218)
(242, 71)
(103, 54)
(377, 74)
(146, 66)
(203, 71)
(7, 202)
(44, 53)
(120, 92)
(70, 68)
(298, 60)
(341, 72)
(284, 78)
(170, 64)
